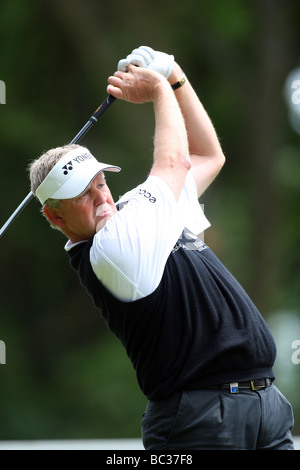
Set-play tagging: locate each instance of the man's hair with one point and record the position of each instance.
(39, 169)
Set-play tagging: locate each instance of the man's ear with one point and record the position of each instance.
(54, 216)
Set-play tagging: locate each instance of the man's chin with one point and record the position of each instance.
(101, 223)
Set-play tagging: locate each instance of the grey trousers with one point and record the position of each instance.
(216, 419)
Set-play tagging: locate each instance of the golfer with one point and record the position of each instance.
(202, 352)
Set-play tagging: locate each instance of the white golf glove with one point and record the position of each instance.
(146, 57)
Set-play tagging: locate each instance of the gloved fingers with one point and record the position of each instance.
(143, 54)
(140, 60)
(149, 51)
(123, 64)
(137, 59)
(147, 57)
(140, 57)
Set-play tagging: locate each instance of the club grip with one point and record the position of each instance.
(103, 107)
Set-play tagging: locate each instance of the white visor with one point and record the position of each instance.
(71, 175)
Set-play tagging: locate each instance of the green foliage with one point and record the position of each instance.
(66, 376)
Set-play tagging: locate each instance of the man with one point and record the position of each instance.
(202, 352)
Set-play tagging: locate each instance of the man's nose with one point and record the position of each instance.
(99, 196)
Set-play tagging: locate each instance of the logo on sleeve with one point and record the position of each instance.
(147, 195)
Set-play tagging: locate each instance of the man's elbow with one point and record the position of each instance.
(179, 161)
(221, 159)
(186, 161)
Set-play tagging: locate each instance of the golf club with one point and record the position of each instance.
(94, 118)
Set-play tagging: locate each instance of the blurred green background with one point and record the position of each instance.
(66, 376)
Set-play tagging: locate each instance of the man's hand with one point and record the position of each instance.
(147, 58)
(137, 85)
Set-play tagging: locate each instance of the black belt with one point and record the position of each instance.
(234, 387)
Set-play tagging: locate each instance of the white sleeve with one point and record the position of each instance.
(129, 254)
(191, 211)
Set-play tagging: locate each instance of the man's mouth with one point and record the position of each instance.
(103, 215)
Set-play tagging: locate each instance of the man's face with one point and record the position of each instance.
(81, 217)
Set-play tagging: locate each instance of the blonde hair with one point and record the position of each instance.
(39, 169)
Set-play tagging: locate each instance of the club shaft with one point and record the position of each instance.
(93, 119)
(16, 213)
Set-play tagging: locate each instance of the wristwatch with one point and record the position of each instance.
(179, 83)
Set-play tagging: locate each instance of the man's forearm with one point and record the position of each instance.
(204, 147)
(171, 152)
(202, 136)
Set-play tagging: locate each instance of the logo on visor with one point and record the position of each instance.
(68, 167)
(79, 159)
